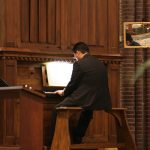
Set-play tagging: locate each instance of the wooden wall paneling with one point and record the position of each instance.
(1, 122)
(113, 26)
(31, 113)
(84, 21)
(52, 21)
(98, 128)
(30, 73)
(40, 24)
(35, 134)
(101, 25)
(34, 21)
(12, 22)
(47, 121)
(10, 109)
(2, 22)
(114, 86)
(1, 104)
(58, 23)
(114, 83)
(75, 21)
(64, 25)
(25, 22)
(88, 22)
(42, 21)
(10, 114)
(92, 22)
(2, 66)
(11, 71)
(16, 121)
(8, 70)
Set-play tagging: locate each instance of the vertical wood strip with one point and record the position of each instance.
(42, 21)
(11, 21)
(51, 21)
(34, 23)
(113, 26)
(92, 22)
(75, 20)
(58, 22)
(101, 23)
(84, 20)
(2, 22)
(64, 29)
(25, 20)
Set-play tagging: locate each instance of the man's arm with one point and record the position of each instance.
(75, 79)
(73, 83)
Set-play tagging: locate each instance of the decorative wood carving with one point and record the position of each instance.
(27, 56)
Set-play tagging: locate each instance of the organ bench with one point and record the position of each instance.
(62, 140)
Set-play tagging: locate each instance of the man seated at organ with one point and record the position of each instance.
(87, 88)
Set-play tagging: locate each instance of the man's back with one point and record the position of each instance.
(88, 87)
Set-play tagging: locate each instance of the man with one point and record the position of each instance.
(88, 88)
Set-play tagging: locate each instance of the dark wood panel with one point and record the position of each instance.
(84, 21)
(2, 22)
(113, 26)
(40, 24)
(9, 113)
(34, 21)
(114, 84)
(101, 23)
(75, 20)
(42, 21)
(98, 128)
(1, 123)
(64, 24)
(58, 24)
(92, 22)
(52, 21)
(9, 130)
(30, 74)
(11, 71)
(87, 22)
(10, 109)
(12, 22)
(25, 22)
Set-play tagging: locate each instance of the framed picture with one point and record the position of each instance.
(136, 34)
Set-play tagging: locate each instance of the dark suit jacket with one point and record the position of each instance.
(88, 86)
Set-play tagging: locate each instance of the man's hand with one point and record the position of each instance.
(60, 92)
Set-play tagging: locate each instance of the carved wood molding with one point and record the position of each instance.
(30, 56)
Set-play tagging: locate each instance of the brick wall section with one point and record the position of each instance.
(127, 86)
(147, 104)
(139, 101)
(136, 96)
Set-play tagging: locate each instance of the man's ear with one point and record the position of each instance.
(78, 51)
